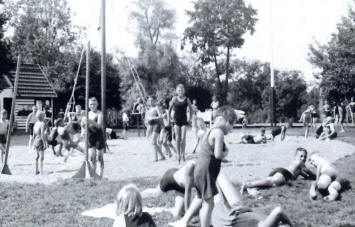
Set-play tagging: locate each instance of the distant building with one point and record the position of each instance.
(34, 88)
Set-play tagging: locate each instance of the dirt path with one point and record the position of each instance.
(133, 158)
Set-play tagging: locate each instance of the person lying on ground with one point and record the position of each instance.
(327, 183)
(279, 130)
(280, 176)
(129, 209)
(178, 180)
(230, 210)
(253, 139)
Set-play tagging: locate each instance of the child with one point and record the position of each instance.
(178, 180)
(155, 121)
(4, 126)
(52, 138)
(211, 150)
(96, 135)
(165, 133)
(30, 122)
(327, 179)
(180, 103)
(194, 117)
(214, 106)
(39, 141)
(279, 130)
(306, 119)
(125, 123)
(327, 130)
(129, 209)
(280, 176)
(257, 139)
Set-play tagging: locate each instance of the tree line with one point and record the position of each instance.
(43, 32)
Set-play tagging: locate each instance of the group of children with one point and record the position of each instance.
(217, 200)
(67, 132)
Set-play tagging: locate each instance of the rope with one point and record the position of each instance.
(72, 98)
(137, 80)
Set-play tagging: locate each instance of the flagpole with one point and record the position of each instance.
(103, 66)
(272, 79)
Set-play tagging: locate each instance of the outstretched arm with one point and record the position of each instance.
(171, 105)
(188, 187)
(190, 108)
(307, 173)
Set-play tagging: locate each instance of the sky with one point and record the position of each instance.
(295, 24)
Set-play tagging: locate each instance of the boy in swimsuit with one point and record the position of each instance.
(96, 135)
(254, 139)
(155, 121)
(280, 176)
(180, 103)
(327, 179)
(214, 106)
(279, 130)
(39, 140)
(178, 180)
(4, 126)
(211, 151)
(30, 122)
(306, 119)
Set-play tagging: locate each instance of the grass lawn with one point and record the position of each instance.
(61, 203)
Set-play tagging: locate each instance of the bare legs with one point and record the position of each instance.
(156, 146)
(99, 154)
(40, 156)
(180, 141)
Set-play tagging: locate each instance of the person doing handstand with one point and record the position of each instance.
(254, 139)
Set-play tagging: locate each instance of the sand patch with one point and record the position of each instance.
(134, 158)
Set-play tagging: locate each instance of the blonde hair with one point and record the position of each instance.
(129, 201)
(200, 123)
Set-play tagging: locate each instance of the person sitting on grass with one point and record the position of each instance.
(280, 176)
(254, 139)
(328, 182)
(179, 180)
(129, 209)
(230, 210)
(327, 130)
(279, 130)
(40, 140)
(211, 151)
(4, 126)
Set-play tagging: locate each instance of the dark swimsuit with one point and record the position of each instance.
(168, 182)
(180, 118)
(96, 137)
(144, 220)
(287, 174)
(249, 138)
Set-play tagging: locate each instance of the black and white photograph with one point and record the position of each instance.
(180, 113)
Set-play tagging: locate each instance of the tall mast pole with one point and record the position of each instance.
(103, 65)
(272, 79)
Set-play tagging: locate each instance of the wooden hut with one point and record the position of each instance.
(34, 88)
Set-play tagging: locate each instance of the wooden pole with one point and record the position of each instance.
(103, 67)
(5, 168)
(86, 171)
(272, 79)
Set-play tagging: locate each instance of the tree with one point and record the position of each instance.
(217, 29)
(43, 33)
(336, 61)
(6, 63)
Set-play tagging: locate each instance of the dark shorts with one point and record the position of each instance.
(2, 139)
(168, 183)
(76, 127)
(276, 131)
(249, 138)
(283, 171)
(180, 121)
(333, 136)
(30, 128)
(65, 136)
(314, 115)
(125, 125)
(96, 139)
(328, 113)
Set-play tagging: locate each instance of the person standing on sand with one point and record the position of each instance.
(30, 122)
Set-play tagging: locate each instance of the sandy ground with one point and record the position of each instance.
(134, 158)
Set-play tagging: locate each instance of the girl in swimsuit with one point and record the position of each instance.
(180, 103)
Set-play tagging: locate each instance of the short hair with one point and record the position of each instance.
(180, 86)
(227, 113)
(93, 99)
(262, 130)
(78, 106)
(129, 201)
(301, 149)
(40, 114)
